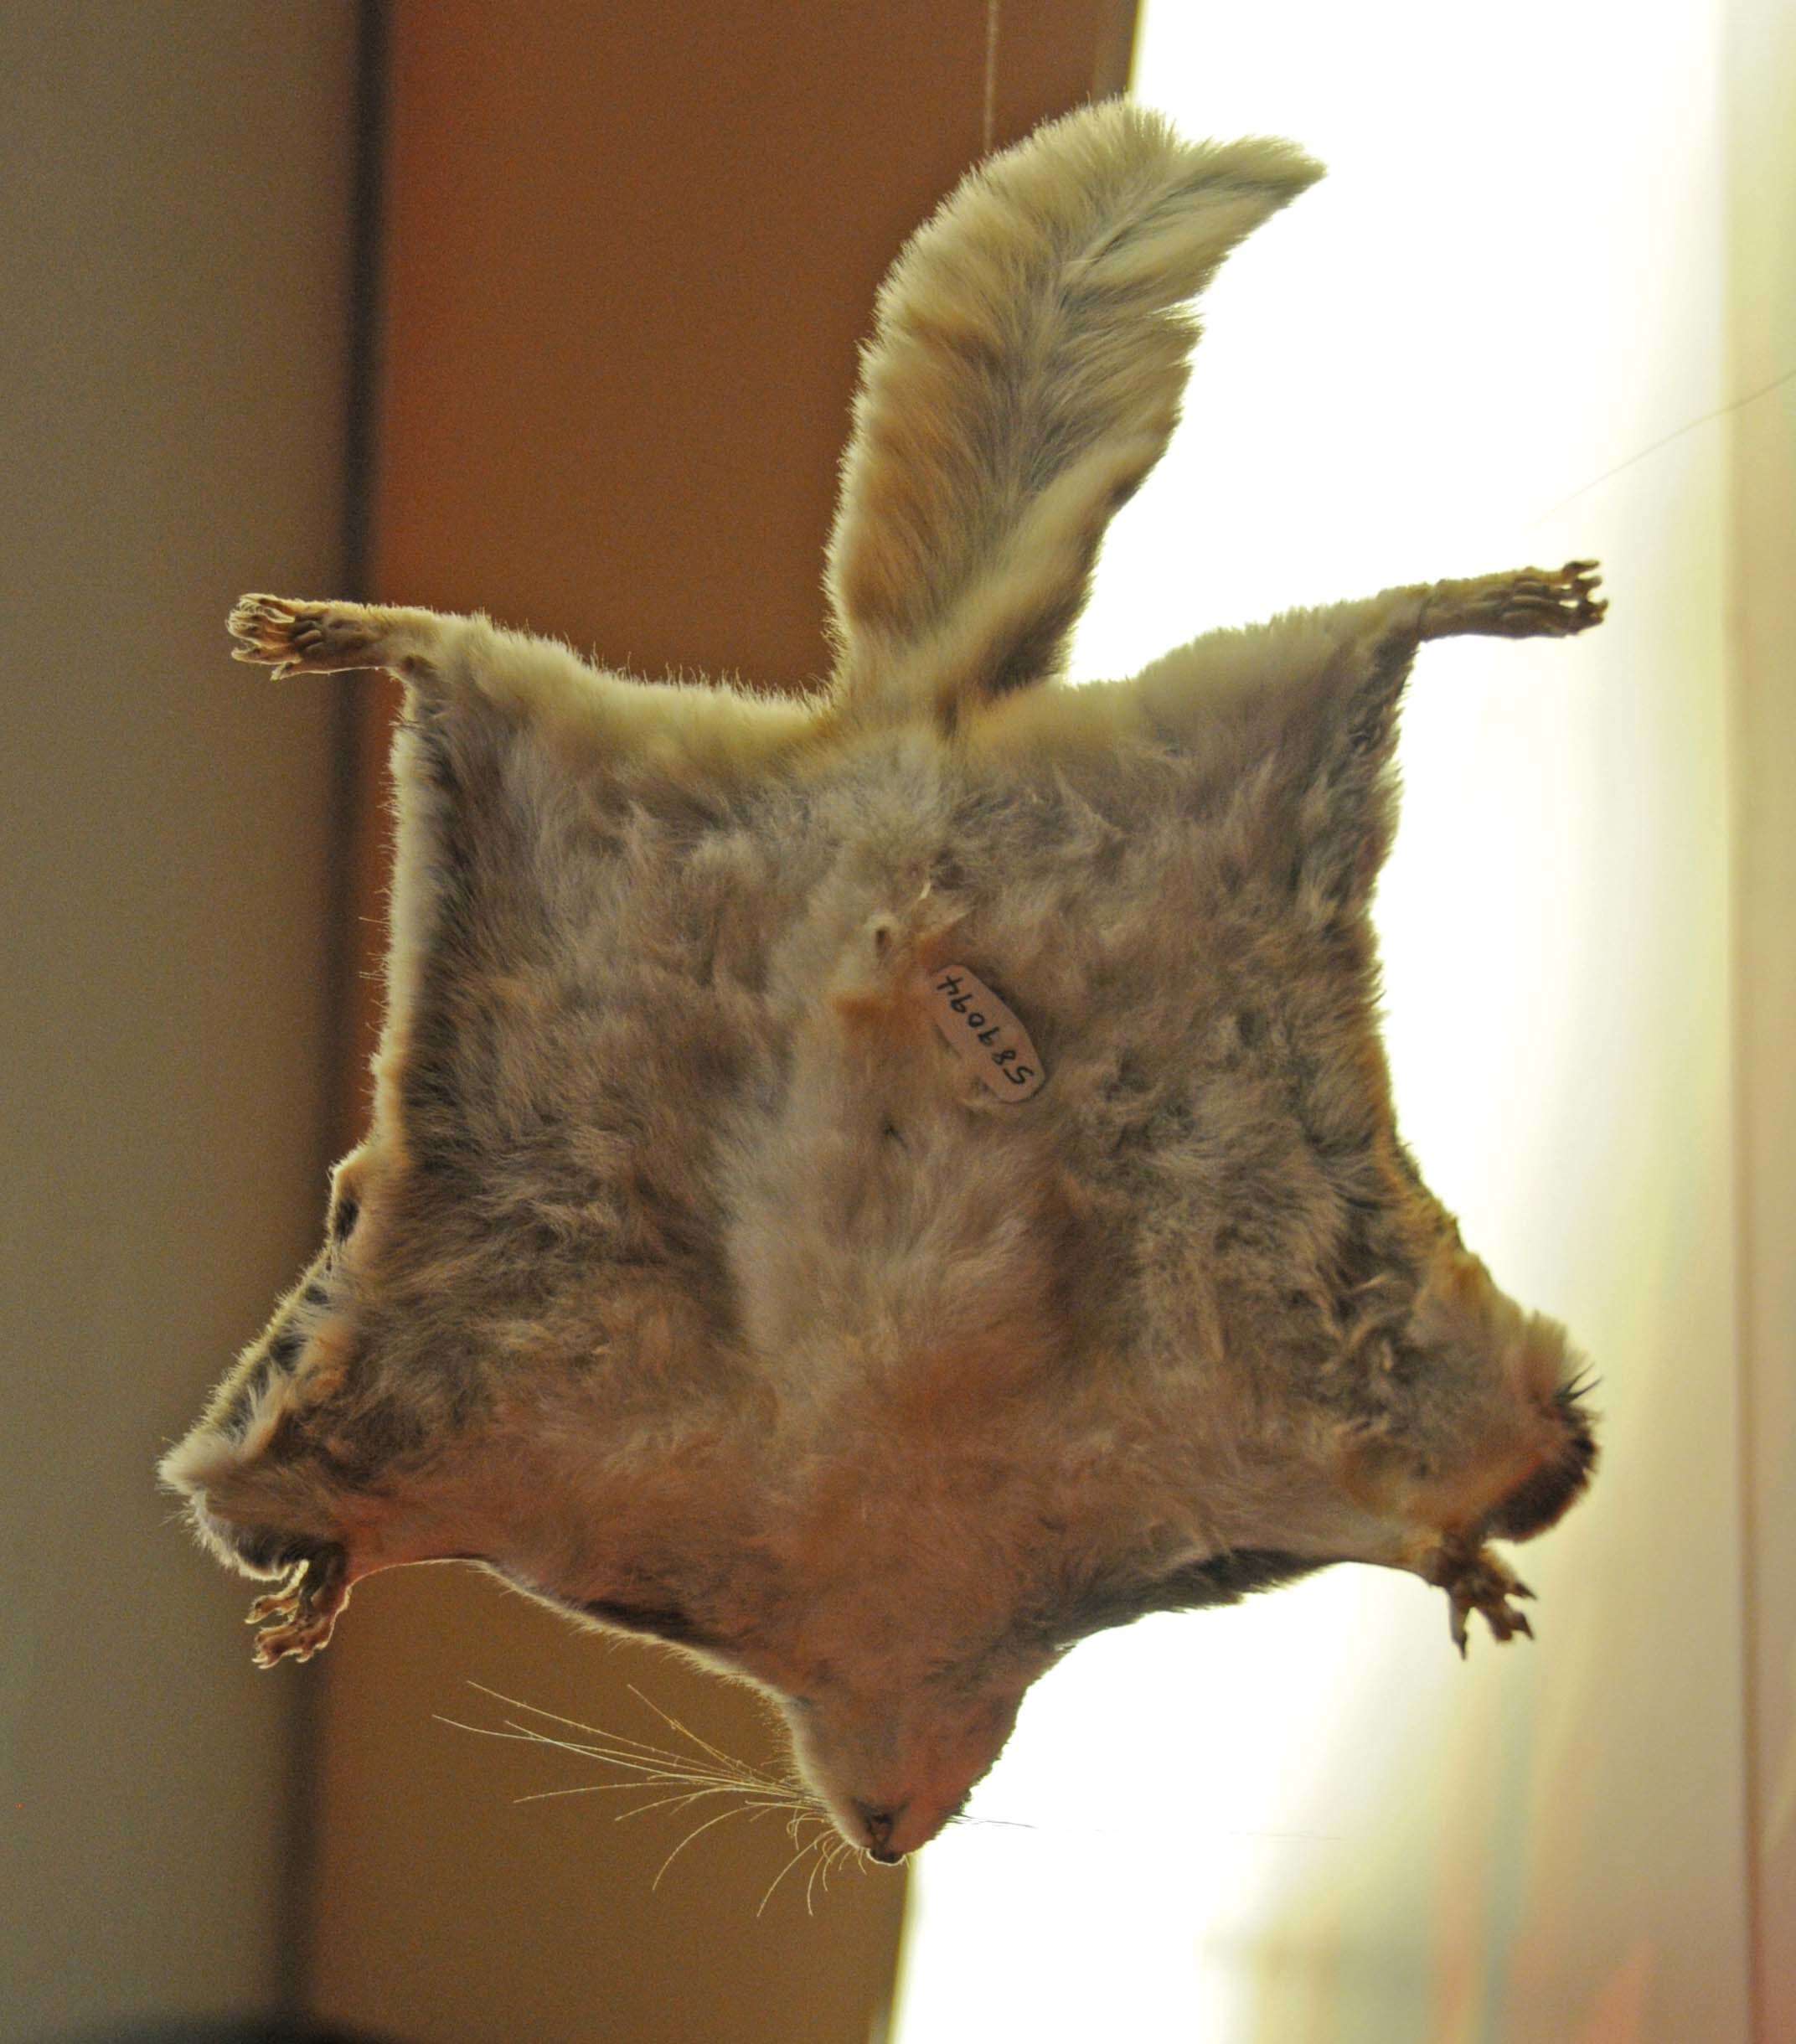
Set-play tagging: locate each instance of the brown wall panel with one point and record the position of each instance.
(630, 252)
(170, 436)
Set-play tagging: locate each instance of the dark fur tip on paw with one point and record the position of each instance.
(1544, 1498)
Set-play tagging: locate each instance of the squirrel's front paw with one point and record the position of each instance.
(305, 1609)
(1529, 603)
(296, 638)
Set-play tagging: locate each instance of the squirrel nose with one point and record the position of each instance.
(878, 1823)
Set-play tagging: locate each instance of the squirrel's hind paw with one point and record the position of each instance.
(1475, 1580)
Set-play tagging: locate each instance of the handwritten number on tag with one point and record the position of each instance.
(980, 1028)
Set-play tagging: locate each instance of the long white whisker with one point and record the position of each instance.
(485, 1731)
(548, 1795)
(690, 1795)
(530, 1736)
(752, 1800)
(818, 1866)
(649, 1774)
(722, 1816)
(532, 1710)
(682, 1802)
(695, 1773)
(806, 1847)
(606, 1742)
(723, 1759)
(676, 1766)
(621, 1750)
(705, 1782)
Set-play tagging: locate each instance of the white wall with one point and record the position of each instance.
(1479, 344)
(176, 187)
(1760, 117)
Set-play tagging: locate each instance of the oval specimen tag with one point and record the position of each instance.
(979, 1027)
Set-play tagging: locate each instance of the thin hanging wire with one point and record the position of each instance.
(992, 8)
(1720, 411)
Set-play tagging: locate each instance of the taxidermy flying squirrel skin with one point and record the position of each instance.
(708, 1272)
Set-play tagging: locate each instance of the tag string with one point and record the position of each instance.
(1708, 418)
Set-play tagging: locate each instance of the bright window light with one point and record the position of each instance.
(1303, 1819)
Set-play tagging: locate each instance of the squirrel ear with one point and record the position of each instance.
(1029, 350)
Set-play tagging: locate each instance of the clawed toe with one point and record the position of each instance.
(1532, 603)
(298, 1640)
(283, 1603)
(260, 626)
(1555, 604)
(1505, 1623)
(1572, 594)
(297, 1619)
(1475, 1580)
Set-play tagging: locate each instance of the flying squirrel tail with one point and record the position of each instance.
(1030, 348)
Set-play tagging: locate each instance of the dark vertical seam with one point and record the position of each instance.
(296, 1897)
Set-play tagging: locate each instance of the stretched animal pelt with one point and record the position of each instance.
(873, 1188)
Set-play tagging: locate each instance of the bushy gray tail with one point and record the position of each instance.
(1031, 346)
